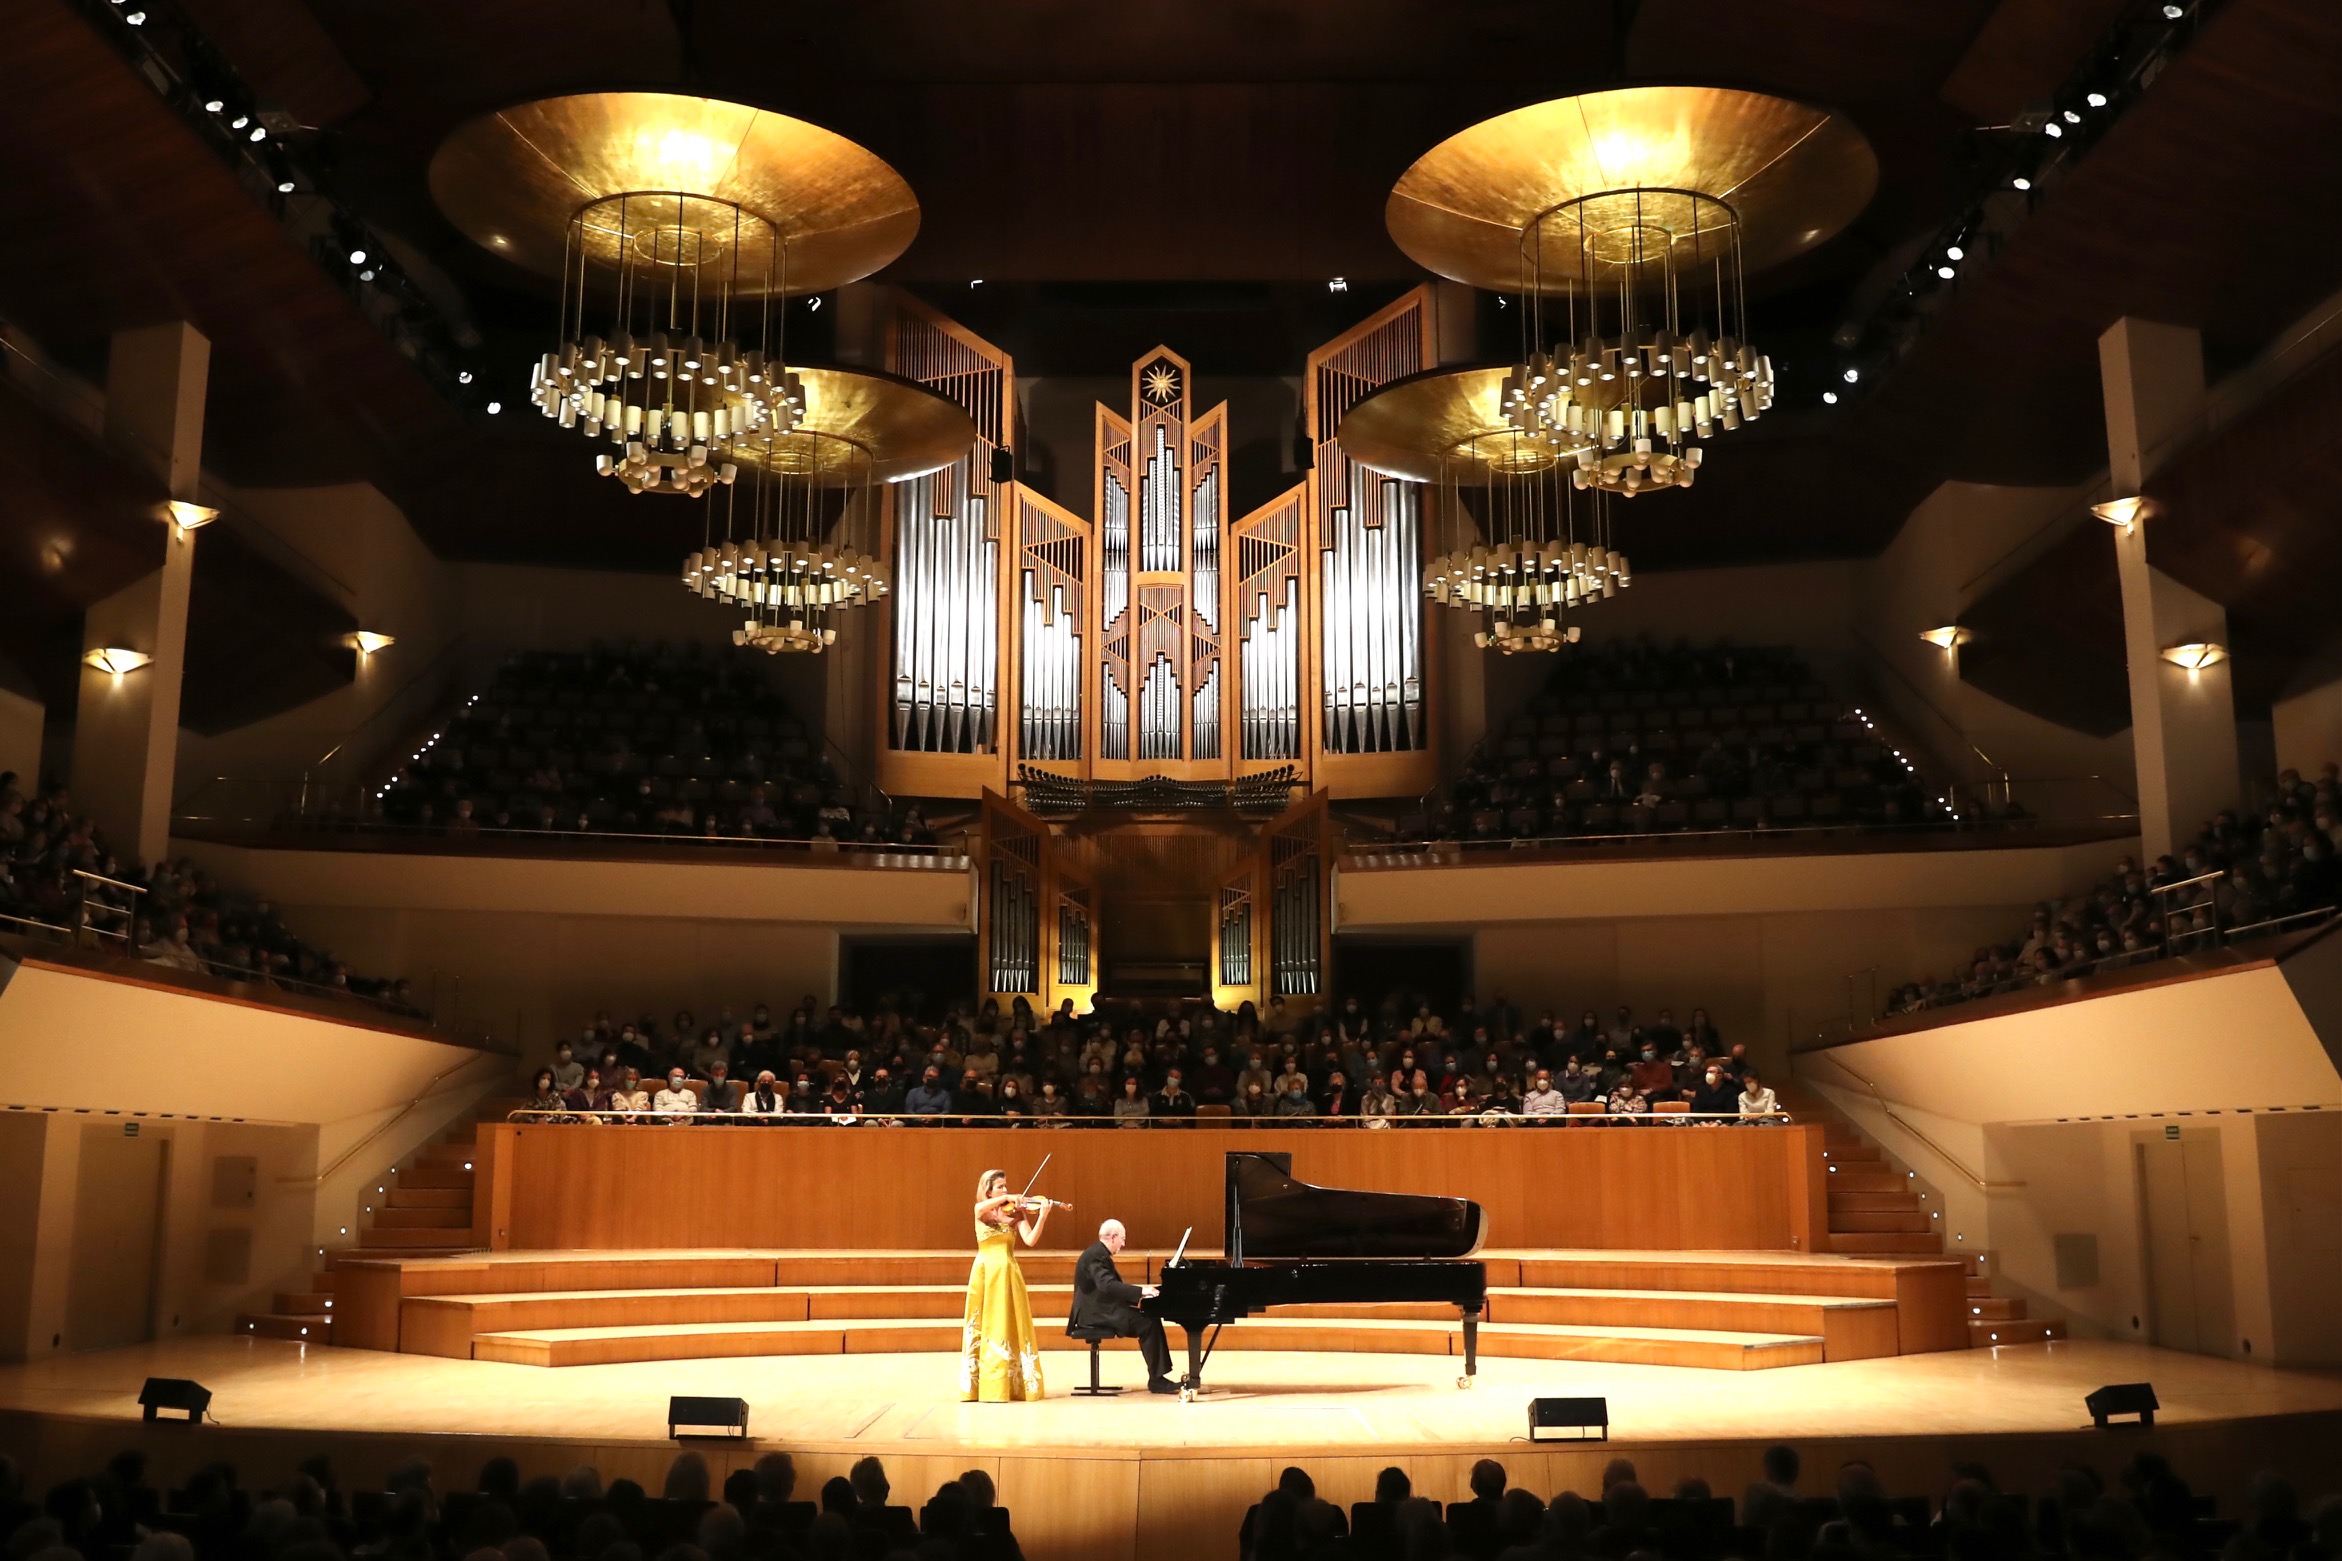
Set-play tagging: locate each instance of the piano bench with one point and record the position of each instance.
(1093, 1337)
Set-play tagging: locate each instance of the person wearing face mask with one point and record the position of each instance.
(1419, 1099)
(1378, 1104)
(1130, 1107)
(1756, 1102)
(1627, 1101)
(1213, 1083)
(765, 1099)
(1254, 1102)
(675, 1103)
(928, 1097)
(1293, 1097)
(1653, 1074)
(1255, 1071)
(547, 1094)
(1334, 1098)
(1715, 1096)
(882, 1098)
(1172, 1100)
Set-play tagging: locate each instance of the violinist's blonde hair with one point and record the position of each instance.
(985, 1181)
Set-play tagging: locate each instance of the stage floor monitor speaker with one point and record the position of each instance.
(191, 1399)
(710, 1416)
(1589, 1418)
(2123, 1398)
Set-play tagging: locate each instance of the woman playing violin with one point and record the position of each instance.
(1000, 1355)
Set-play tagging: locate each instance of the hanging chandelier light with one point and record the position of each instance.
(1524, 546)
(1627, 222)
(799, 536)
(678, 228)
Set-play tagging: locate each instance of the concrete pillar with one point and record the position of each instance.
(126, 725)
(2183, 722)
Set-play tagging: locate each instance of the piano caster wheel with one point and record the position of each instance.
(1186, 1394)
(1466, 1382)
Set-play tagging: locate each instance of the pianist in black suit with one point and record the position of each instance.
(1102, 1298)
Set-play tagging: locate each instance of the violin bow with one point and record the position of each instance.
(1037, 1170)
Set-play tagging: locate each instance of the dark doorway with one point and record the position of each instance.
(1437, 971)
(919, 976)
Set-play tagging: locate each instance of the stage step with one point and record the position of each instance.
(1985, 1332)
(1867, 1178)
(1979, 1285)
(1994, 1308)
(693, 1341)
(407, 1196)
(1850, 1200)
(1855, 1221)
(1887, 1243)
(392, 1238)
(446, 1154)
(454, 1178)
(1854, 1152)
(441, 1220)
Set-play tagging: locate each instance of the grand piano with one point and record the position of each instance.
(1291, 1244)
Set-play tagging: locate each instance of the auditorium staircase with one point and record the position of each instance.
(421, 1208)
(1877, 1209)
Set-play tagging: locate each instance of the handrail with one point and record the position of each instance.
(1937, 826)
(938, 854)
(598, 1117)
(1958, 731)
(390, 1122)
(111, 883)
(1939, 1150)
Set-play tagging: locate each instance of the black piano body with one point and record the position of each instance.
(1291, 1244)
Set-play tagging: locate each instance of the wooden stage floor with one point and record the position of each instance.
(1142, 1478)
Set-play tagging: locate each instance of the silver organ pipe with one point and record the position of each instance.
(1207, 715)
(1270, 653)
(1235, 936)
(1073, 939)
(1015, 926)
(1158, 489)
(1116, 549)
(946, 616)
(1294, 912)
(1206, 568)
(1372, 578)
(1113, 716)
(1159, 713)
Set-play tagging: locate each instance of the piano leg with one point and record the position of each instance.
(1193, 1383)
(1471, 1347)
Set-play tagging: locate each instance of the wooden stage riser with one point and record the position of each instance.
(1115, 1505)
(916, 1338)
(606, 1188)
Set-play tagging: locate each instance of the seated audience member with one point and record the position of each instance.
(568, 1072)
(841, 1099)
(590, 1095)
(1293, 1100)
(1755, 1099)
(1543, 1100)
(1714, 1095)
(928, 1097)
(675, 1102)
(1254, 1102)
(1130, 1106)
(1378, 1103)
(545, 1094)
(1653, 1074)
(723, 1094)
(1172, 1100)
(765, 1100)
(631, 1096)
(881, 1098)
(1627, 1101)
(1335, 1100)
(1577, 1086)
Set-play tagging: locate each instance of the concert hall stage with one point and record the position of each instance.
(1152, 1479)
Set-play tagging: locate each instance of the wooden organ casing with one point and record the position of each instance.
(1162, 635)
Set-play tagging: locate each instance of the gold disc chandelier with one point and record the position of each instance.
(1628, 222)
(1525, 547)
(678, 228)
(801, 549)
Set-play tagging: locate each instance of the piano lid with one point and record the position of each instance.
(1271, 1215)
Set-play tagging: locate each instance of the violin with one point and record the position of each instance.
(1036, 1203)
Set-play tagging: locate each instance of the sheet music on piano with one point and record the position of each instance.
(1289, 1244)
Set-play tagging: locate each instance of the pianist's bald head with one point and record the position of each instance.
(1112, 1234)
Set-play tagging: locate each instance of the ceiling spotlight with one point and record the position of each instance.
(2053, 129)
(366, 275)
(2120, 512)
(464, 377)
(357, 257)
(214, 105)
(1829, 398)
(284, 186)
(366, 642)
(1339, 284)
(136, 18)
(2172, 13)
(2096, 100)
(813, 306)
(2020, 182)
(495, 407)
(975, 281)
(259, 133)
(1956, 252)
(2072, 118)
(187, 517)
(1852, 375)
(117, 660)
(1948, 637)
(2196, 655)
(1946, 272)
(239, 122)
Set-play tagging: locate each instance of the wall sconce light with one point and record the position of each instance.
(1949, 637)
(115, 659)
(2120, 512)
(366, 642)
(2196, 655)
(187, 517)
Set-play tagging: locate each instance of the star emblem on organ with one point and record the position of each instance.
(1161, 384)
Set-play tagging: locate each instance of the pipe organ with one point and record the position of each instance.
(1161, 635)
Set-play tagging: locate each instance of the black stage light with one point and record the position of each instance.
(731, 1414)
(1569, 1414)
(1003, 466)
(161, 1393)
(2123, 1398)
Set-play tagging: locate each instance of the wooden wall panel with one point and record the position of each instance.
(881, 1188)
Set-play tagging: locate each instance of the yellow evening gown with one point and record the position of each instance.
(1000, 1356)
